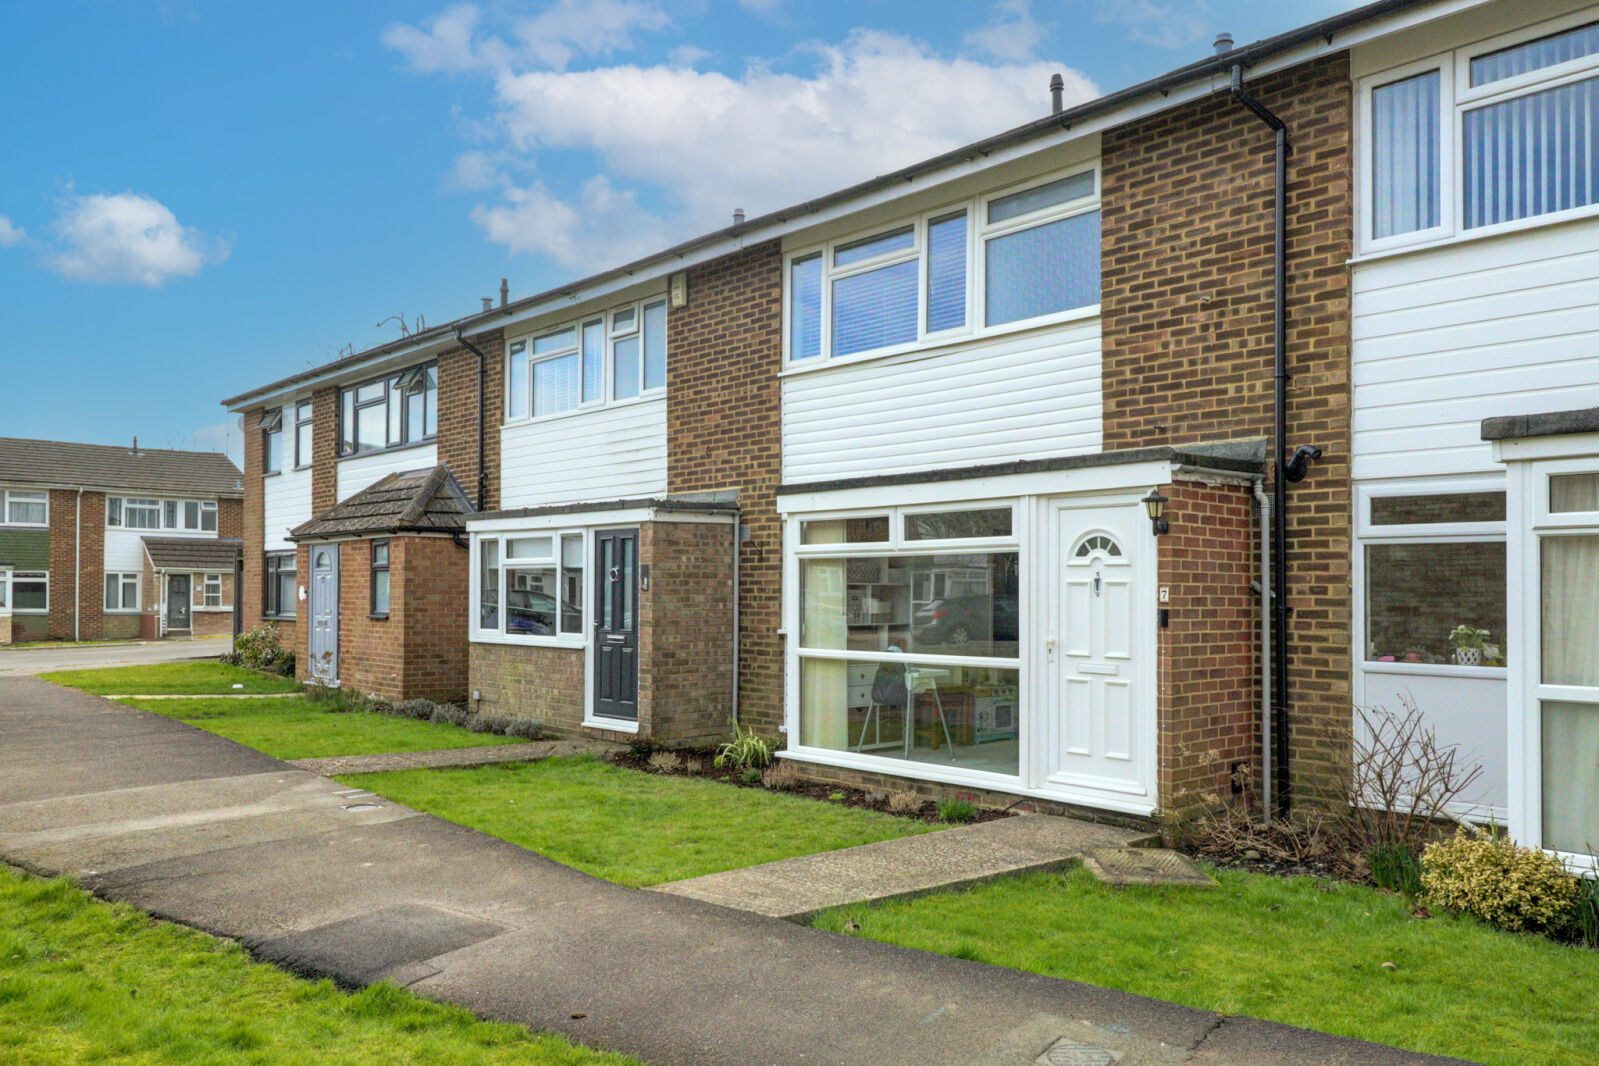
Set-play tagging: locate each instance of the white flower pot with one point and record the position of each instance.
(1468, 656)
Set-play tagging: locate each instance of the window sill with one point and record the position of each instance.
(426, 442)
(24, 525)
(279, 618)
(266, 474)
(1472, 236)
(572, 643)
(941, 344)
(584, 409)
(384, 617)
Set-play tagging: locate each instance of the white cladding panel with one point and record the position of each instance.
(357, 472)
(124, 548)
(611, 453)
(1023, 396)
(285, 503)
(1447, 337)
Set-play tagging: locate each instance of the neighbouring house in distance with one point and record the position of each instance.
(101, 541)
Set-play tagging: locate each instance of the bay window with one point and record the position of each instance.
(24, 507)
(121, 592)
(909, 628)
(390, 412)
(530, 586)
(1014, 257)
(617, 355)
(1498, 133)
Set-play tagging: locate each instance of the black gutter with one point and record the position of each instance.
(1245, 55)
(482, 385)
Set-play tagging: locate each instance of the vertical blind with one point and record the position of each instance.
(805, 308)
(593, 361)
(555, 385)
(1404, 156)
(1043, 270)
(1531, 155)
(875, 309)
(1535, 55)
(946, 272)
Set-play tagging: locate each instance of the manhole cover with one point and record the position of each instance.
(1065, 1052)
(362, 806)
(1145, 866)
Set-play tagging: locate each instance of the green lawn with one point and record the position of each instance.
(631, 827)
(1288, 951)
(293, 727)
(182, 679)
(85, 981)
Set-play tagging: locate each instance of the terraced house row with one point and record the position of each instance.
(1108, 462)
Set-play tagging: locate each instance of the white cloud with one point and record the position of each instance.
(224, 437)
(444, 45)
(1169, 26)
(11, 235)
(674, 149)
(761, 7)
(560, 33)
(1012, 35)
(126, 237)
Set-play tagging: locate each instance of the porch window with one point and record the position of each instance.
(212, 596)
(380, 579)
(281, 591)
(121, 592)
(530, 586)
(1570, 658)
(30, 592)
(906, 652)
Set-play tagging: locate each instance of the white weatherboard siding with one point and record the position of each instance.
(285, 503)
(612, 453)
(1022, 396)
(124, 548)
(1447, 337)
(357, 472)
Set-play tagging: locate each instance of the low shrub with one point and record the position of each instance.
(1395, 868)
(284, 667)
(751, 776)
(449, 714)
(1585, 918)
(905, 802)
(781, 776)
(489, 723)
(643, 747)
(1504, 884)
(957, 811)
(745, 749)
(666, 762)
(422, 710)
(260, 648)
(526, 728)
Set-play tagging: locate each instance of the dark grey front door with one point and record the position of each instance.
(616, 624)
(178, 601)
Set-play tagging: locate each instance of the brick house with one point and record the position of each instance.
(100, 541)
(1062, 465)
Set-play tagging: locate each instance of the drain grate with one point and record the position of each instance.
(363, 806)
(1065, 1052)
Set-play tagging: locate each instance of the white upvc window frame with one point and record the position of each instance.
(116, 514)
(978, 232)
(29, 576)
(123, 578)
(898, 545)
(559, 639)
(23, 496)
(610, 332)
(1457, 97)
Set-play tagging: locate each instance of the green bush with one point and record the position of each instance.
(1396, 868)
(745, 749)
(751, 775)
(957, 811)
(1504, 884)
(526, 728)
(260, 648)
(1585, 921)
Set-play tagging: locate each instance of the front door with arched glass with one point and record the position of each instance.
(324, 612)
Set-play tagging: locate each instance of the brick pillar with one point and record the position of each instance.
(252, 522)
(324, 449)
(458, 411)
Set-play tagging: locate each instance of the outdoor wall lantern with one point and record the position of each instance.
(1155, 504)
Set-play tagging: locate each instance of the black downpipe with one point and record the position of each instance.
(1279, 531)
(482, 387)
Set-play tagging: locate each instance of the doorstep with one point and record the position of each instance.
(798, 889)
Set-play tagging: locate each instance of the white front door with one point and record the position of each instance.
(1098, 721)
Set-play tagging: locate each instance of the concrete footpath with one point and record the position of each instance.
(200, 830)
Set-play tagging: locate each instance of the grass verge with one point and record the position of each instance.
(86, 981)
(178, 679)
(294, 727)
(1299, 951)
(629, 827)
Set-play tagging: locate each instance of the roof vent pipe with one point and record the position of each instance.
(1057, 93)
(505, 291)
(738, 216)
(1224, 43)
(487, 303)
(136, 445)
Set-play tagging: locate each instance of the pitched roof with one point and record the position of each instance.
(106, 466)
(192, 553)
(409, 501)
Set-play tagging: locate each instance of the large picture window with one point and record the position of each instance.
(281, 588)
(1014, 257)
(530, 586)
(909, 631)
(608, 357)
(390, 412)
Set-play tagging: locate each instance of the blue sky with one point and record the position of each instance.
(200, 196)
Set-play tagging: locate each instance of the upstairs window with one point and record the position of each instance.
(191, 516)
(24, 507)
(1015, 257)
(613, 356)
(302, 434)
(272, 442)
(389, 412)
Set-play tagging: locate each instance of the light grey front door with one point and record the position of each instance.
(324, 611)
(178, 601)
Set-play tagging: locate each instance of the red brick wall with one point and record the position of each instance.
(458, 409)
(724, 432)
(66, 556)
(544, 685)
(252, 521)
(685, 639)
(230, 517)
(324, 448)
(1187, 326)
(1209, 681)
(428, 604)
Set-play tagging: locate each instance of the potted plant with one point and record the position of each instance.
(1468, 642)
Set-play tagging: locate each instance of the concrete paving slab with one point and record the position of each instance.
(670, 979)
(797, 889)
(1145, 866)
